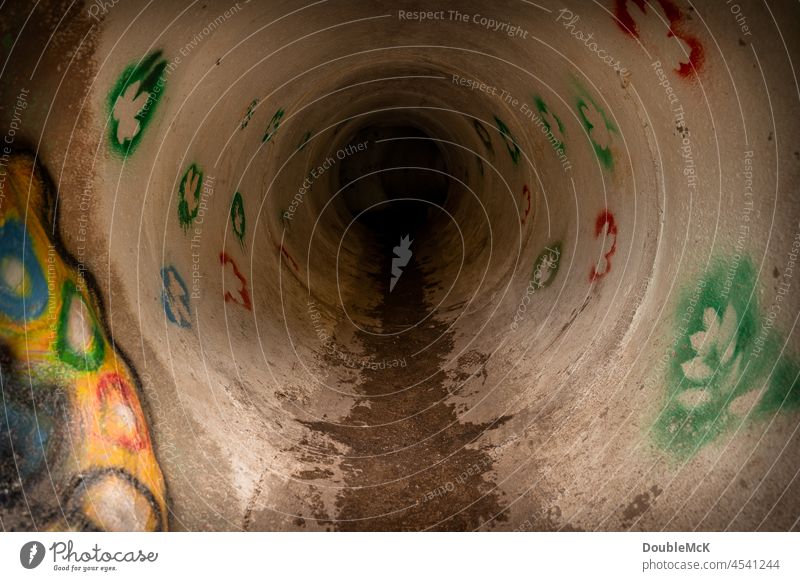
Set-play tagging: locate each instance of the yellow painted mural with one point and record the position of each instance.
(73, 416)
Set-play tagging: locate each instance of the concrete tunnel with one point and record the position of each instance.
(342, 265)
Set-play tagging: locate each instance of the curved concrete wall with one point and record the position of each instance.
(589, 325)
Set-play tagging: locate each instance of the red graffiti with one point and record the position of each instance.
(605, 223)
(677, 20)
(244, 295)
(119, 417)
(288, 256)
(527, 194)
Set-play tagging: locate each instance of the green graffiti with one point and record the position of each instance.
(544, 113)
(133, 101)
(238, 218)
(272, 128)
(545, 267)
(79, 340)
(304, 141)
(251, 109)
(483, 134)
(189, 190)
(727, 364)
(598, 127)
(514, 151)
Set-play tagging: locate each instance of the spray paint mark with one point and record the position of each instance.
(58, 355)
(483, 134)
(23, 289)
(598, 127)
(728, 365)
(119, 420)
(285, 253)
(677, 22)
(238, 219)
(133, 101)
(511, 143)
(607, 226)
(545, 114)
(304, 141)
(546, 266)
(189, 196)
(272, 127)
(244, 294)
(251, 108)
(79, 340)
(526, 195)
(175, 297)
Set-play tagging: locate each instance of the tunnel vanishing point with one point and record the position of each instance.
(340, 265)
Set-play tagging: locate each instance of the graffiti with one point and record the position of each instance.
(677, 22)
(133, 100)
(63, 381)
(546, 116)
(175, 297)
(727, 363)
(483, 134)
(244, 294)
(607, 226)
(272, 127)
(526, 194)
(238, 221)
(514, 151)
(23, 290)
(251, 109)
(189, 196)
(546, 266)
(597, 126)
(79, 340)
(285, 253)
(304, 141)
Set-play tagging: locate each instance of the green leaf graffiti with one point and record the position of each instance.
(598, 127)
(545, 114)
(189, 196)
(238, 220)
(511, 143)
(546, 266)
(727, 365)
(272, 128)
(133, 101)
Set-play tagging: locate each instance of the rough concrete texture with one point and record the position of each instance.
(513, 266)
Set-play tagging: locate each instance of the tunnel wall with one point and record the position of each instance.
(610, 279)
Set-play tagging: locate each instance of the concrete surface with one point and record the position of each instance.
(593, 324)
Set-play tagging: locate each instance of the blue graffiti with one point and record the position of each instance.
(175, 297)
(23, 291)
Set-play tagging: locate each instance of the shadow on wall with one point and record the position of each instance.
(75, 452)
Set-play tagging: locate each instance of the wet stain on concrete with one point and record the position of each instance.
(410, 463)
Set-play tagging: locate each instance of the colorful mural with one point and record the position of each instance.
(133, 100)
(728, 364)
(63, 381)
